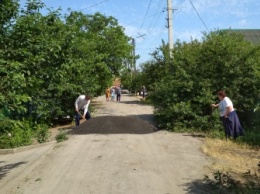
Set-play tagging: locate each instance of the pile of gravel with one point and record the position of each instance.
(114, 125)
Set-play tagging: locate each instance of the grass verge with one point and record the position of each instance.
(61, 137)
(236, 163)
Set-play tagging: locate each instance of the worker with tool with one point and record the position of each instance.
(82, 103)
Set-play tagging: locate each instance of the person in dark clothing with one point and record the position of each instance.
(118, 93)
(143, 90)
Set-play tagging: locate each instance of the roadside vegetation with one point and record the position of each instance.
(47, 60)
(61, 137)
(182, 90)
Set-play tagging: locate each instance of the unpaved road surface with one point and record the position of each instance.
(109, 163)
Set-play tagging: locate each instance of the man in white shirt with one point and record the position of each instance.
(82, 103)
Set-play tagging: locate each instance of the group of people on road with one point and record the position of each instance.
(228, 115)
(113, 93)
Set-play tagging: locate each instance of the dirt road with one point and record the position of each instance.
(152, 163)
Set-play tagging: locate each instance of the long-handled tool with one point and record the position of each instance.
(82, 116)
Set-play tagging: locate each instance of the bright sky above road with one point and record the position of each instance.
(149, 18)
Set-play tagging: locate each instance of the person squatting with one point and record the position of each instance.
(82, 103)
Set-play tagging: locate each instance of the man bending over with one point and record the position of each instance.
(82, 103)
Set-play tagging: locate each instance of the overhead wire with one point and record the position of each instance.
(79, 9)
(146, 14)
(199, 15)
(181, 3)
(147, 44)
(178, 6)
(137, 21)
(150, 29)
(94, 5)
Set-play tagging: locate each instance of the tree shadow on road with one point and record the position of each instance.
(209, 186)
(202, 187)
(4, 170)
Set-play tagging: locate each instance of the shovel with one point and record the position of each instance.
(82, 116)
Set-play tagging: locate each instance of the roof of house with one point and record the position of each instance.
(251, 35)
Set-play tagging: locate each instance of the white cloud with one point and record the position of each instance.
(237, 8)
(131, 30)
(189, 35)
(243, 23)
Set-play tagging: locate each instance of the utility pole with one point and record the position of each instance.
(133, 51)
(170, 27)
(133, 75)
(133, 54)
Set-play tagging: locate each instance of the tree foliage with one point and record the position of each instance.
(223, 60)
(48, 60)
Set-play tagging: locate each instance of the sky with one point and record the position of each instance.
(146, 20)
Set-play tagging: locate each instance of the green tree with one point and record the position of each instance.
(12, 81)
(221, 61)
(48, 60)
(8, 13)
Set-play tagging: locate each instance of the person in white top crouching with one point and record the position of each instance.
(82, 103)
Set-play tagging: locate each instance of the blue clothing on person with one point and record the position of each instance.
(232, 125)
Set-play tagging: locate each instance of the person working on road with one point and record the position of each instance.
(82, 103)
(228, 116)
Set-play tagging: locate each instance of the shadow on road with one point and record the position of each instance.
(195, 135)
(204, 187)
(134, 102)
(212, 186)
(4, 170)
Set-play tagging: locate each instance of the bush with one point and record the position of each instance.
(182, 97)
(61, 137)
(15, 133)
(251, 137)
(181, 104)
(42, 133)
(21, 133)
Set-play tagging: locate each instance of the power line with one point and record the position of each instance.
(154, 22)
(148, 44)
(152, 26)
(94, 5)
(146, 14)
(137, 21)
(181, 3)
(199, 15)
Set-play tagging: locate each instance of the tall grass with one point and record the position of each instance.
(251, 137)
